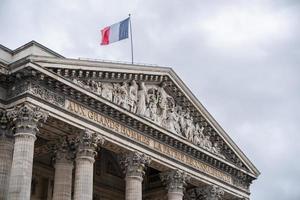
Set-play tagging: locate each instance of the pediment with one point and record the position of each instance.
(156, 94)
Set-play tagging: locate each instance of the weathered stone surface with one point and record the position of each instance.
(134, 165)
(175, 181)
(26, 119)
(64, 156)
(6, 152)
(86, 151)
(210, 192)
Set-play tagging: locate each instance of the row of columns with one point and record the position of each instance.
(16, 173)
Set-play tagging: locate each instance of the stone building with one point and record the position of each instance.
(83, 130)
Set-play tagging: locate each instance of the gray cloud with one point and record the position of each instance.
(240, 58)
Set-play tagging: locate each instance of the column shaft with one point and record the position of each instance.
(6, 152)
(175, 195)
(84, 179)
(85, 157)
(21, 170)
(63, 181)
(133, 188)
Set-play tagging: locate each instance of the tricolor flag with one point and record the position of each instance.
(115, 32)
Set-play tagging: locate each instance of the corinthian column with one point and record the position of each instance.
(6, 151)
(175, 181)
(26, 119)
(63, 170)
(134, 165)
(85, 158)
(213, 192)
(210, 192)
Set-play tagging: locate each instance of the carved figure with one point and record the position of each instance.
(207, 143)
(107, 91)
(116, 93)
(153, 108)
(216, 148)
(163, 104)
(133, 90)
(99, 88)
(198, 135)
(172, 122)
(190, 128)
(141, 100)
(124, 95)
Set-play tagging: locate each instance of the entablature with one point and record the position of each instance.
(55, 88)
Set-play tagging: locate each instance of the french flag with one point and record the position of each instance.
(115, 32)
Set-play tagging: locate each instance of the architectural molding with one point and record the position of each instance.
(27, 117)
(175, 180)
(63, 150)
(211, 192)
(5, 126)
(87, 144)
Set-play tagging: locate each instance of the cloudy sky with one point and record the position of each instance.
(240, 58)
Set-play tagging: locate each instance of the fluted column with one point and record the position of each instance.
(134, 165)
(64, 156)
(26, 119)
(85, 158)
(175, 182)
(6, 152)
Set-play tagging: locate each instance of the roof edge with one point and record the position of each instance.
(32, 43)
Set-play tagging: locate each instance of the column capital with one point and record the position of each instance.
(134, 163)
(175, 180)
(213, 192)
(210, 192)
(64, 150)
(87, 144)
(27, 117)
(5, 126)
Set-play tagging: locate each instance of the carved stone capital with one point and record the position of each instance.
(211, 192)
(27, 117)
(175, 180)
(134, 163)
(5, 126)
(64, 150)
(87, 144)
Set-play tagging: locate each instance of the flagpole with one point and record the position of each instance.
(131, 39)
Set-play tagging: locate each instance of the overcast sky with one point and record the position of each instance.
(240, 58)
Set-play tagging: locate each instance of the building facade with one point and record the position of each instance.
(90, 130)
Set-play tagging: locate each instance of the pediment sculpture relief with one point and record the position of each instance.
(152, 102)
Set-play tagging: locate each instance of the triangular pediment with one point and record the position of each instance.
(8, 56)
(156, 94)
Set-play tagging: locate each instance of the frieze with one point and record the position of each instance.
(34, 88)
(46, 94)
